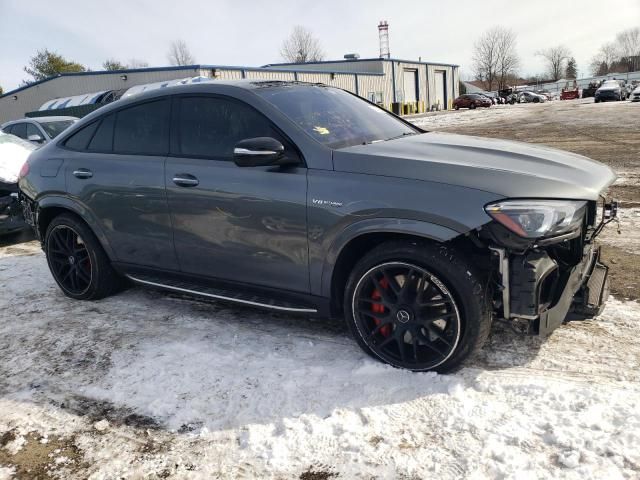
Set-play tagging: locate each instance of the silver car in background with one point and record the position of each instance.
(39, 130)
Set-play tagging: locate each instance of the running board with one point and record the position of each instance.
(219, 294)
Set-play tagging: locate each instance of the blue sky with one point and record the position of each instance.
(244, 32)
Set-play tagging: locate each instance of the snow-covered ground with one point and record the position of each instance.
(152, 385)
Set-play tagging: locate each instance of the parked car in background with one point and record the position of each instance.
(590, 91)
(13, 155)
(610, 90)
(546, 94)
(471, 100)
(308, 199)
(531, 97)
(39, 130)
(635, 95)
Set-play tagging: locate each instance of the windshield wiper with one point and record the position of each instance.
(402, 135)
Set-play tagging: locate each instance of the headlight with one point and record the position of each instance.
(538, 218)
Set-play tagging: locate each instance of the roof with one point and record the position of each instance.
(419, 62)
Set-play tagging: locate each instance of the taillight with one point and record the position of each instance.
(24, 171)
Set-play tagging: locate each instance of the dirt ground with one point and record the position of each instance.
(607, 132)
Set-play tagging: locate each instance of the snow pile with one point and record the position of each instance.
(148, 384)
(13, 153)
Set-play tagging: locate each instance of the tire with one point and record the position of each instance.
(472, 106)
(77, 261)
(456, 107)
(462, 312)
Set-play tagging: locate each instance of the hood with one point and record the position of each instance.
(505, 168)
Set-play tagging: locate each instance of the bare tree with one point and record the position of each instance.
(603, 62)
(179, 54)
(555, 58)
(495, 58)
(301, 47)
(137, 63)
(508, 60)
(628, 43)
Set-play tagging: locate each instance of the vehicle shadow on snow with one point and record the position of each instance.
(154, 360)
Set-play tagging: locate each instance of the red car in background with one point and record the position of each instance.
(471, 100)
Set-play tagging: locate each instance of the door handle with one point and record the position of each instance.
(83, 173)
(185, 180)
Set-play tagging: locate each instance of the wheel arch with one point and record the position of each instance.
(354, 242)
(51, 206)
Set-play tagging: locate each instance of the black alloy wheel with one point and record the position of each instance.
(406, 316)
(69, 260)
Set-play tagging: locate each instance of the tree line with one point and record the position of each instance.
(496, 63)
(299, 47)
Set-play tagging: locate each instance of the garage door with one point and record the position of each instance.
(440, 79)
(410, 85)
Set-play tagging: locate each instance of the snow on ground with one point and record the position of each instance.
(495, 113)
(152, 385)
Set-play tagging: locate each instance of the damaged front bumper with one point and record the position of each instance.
(539, 291)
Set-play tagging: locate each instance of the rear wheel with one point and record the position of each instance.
(77, 261)
(417, 306)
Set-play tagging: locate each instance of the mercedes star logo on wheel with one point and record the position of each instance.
(403, 316)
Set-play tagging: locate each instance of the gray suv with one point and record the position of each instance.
(307, 199)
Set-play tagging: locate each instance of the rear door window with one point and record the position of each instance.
(20, 130)
(80, 139)
(143, 129)
(102, 141)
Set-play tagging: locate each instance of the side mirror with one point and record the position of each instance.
(34, 137)
(259, 152)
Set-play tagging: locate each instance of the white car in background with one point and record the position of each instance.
(635, 95)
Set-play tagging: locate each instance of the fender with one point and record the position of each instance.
(60, 201)
(418, 228)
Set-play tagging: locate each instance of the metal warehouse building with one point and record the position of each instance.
(401, 86)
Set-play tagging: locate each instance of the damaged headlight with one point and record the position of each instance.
(538, 218)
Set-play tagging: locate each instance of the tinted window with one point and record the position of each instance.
(334, 117)
(8, 129)
(143, 129)
(80, 139)
(211, 127)
(102, 141)
(20, 130)
(33, 130)
(54, 129)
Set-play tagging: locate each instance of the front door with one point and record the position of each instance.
(115, 169)
(241, 224)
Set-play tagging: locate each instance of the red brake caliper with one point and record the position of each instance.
(379, 308)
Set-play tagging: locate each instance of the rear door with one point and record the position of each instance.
(241, 224)
(117, 173)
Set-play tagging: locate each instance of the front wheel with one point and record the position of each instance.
(77, 261)
(472, 106)
(417, 306)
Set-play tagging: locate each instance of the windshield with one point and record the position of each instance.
(334, 117)
(54, 129)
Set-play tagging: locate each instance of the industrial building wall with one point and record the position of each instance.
(360, 66)
(32, 98)
(442, 86)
